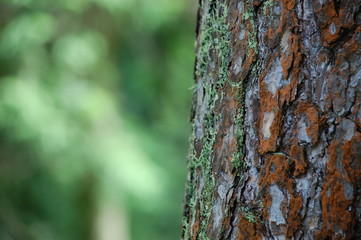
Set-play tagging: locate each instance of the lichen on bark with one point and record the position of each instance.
(211, 72)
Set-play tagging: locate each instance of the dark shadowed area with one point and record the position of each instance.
(94, 108)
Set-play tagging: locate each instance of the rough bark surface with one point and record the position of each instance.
(276, 142)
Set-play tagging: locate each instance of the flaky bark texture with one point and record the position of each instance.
(276, 143)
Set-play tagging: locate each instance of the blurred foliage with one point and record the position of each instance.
(94, 101)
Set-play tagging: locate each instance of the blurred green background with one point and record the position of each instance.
(94, 102)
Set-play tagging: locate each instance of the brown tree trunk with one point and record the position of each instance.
(276, 142)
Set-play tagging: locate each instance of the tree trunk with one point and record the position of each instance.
(276, 141)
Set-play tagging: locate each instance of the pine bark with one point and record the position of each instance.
(275, 149)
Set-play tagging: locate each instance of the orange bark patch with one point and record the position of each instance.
(297, 154)
(312, 121)
(271, 111)
(291, 56)
(276, 166)
(352, 45)
(271, 33)
(332, 21)
(288, 4)
(331, 32)
(278, 173)
(330, 28)
(288, 16)
(342, 176)
(248, 230)
(337, 219)
(294, 218)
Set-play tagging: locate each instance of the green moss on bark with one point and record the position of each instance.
(212, 70)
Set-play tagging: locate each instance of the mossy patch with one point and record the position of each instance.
(213, 60)
(249, 16)
(212, 73)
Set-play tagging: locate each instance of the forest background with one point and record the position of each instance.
(94, 108)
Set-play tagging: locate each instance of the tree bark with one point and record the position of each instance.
(276, 143)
